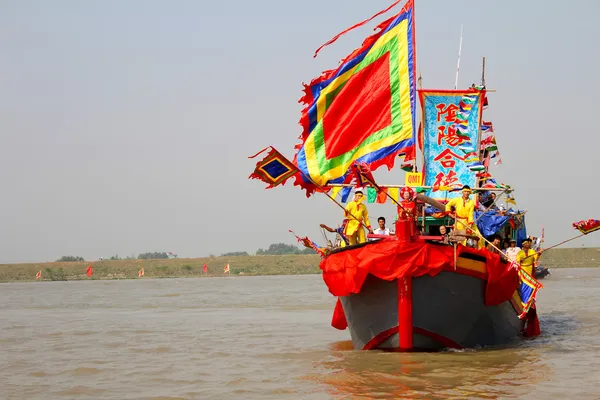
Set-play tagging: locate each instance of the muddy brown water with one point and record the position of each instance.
(269, 338)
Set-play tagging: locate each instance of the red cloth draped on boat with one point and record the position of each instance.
(345, 272)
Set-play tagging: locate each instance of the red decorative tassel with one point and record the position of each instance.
(339, 318)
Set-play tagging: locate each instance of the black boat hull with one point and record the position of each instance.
(448, 310)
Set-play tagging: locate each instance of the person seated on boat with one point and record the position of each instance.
(527, 258)
(512, 251)
(382, 230)
(481, 200)
(505, 246)
(357, 215)
(494, 246)
(464, 210)
(407, 208)
(444, 235)
(493, 205)
(340, 239)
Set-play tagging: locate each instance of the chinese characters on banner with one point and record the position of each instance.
(448, 124)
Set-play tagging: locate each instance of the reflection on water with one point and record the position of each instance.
(268, 337)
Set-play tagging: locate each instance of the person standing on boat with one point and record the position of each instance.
(355, 213)
(527, 257)
(408, 206)
(464, 210)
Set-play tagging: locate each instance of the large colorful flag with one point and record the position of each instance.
(527, 291)
(588, 226)
(274, 169)
(364, 110)
(451, 124)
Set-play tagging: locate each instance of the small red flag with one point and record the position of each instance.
(226, 269)
(205, 269)
(38, 275)
(141, 273)
(90, 270)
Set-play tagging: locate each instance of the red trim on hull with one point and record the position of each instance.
(444, 341)
(380, 338)
(405, 320)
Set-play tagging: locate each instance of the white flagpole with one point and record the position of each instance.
(458, 63)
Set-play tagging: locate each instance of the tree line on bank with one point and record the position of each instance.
(275, 249)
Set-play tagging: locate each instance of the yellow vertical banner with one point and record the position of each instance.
(394, 193)
(414, 179)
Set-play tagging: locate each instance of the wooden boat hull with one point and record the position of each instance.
(448, 311)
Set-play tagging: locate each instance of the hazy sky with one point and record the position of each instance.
(125, 126)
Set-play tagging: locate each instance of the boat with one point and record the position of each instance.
(541, 272)
(414, 290)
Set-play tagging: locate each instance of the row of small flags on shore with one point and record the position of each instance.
(90, 271)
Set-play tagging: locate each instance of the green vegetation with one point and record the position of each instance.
(70, 259)
(282, 248)
(288, 264)
(152, 256)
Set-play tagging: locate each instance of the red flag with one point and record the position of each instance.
(141, 273)
(382, 196)
(205, 269)
(226, 269)
(90, 270)
(588, 226)
(38, 275)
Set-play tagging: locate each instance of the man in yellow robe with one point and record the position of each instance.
(464, 212)
(354, 229)
(527, 258)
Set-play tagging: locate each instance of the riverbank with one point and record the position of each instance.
(239, 266)
(163, 268)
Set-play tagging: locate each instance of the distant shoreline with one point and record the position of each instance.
(239, 266)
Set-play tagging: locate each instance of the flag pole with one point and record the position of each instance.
(308, 178)
(458, 63)
(320, 189)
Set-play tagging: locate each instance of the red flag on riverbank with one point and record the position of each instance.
(90, 270)
(141, 273)
(38, 275)
(205, 269)
(226, 269)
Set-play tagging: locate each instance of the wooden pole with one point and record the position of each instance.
(483, 73)
(497, 197)
(334, 200)
(556, 245)
(427, 187)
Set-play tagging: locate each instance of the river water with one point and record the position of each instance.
(268, 338)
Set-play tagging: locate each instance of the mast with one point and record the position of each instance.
(483, 73)
(458, 63)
